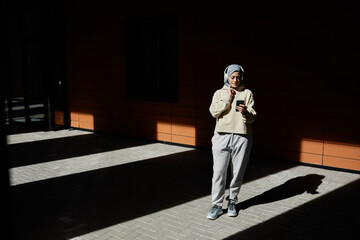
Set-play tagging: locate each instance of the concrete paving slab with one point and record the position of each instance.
(80, 185)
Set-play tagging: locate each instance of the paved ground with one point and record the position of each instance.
(78, 185)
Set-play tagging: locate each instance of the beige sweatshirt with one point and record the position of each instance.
(223, 108)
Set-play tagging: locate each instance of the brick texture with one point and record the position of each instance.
(298, 61)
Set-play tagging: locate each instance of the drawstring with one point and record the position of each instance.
(232, 144)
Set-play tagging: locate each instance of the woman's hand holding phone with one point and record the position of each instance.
(240, 107)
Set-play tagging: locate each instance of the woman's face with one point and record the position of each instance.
(234, 79)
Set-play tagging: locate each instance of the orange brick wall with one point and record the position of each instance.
(299, 63)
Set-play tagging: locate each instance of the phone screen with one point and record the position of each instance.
(238, 102)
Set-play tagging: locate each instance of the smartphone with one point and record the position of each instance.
(239, 102)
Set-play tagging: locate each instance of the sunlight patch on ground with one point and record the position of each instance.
(63, 167)
(41, 135)
(188, 220)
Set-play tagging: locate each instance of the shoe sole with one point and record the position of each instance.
(232, 215)
(218, 215)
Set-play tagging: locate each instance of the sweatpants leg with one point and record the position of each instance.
(226, 147)
(221, 158)
(239, 160)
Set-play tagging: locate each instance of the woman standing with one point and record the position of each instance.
(233, 107)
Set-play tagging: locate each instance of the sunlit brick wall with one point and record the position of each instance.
(300, 62)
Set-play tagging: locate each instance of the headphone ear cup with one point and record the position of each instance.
(225, 79)
(225, 74)
(242, 72)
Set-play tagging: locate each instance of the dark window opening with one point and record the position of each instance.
(151, 59)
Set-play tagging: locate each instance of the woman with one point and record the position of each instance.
(233, 107)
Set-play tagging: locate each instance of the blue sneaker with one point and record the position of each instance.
(215, 211)
(232, 209)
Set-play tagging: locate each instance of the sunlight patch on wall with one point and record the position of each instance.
(328, 153)
(82, 120)
(176, 133)
(163, 131)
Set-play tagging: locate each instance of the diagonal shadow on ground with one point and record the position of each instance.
(69, 206)
(331, 216)
(22, 154)
(290, 188)
(65, 207)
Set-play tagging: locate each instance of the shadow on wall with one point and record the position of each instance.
(282, 44)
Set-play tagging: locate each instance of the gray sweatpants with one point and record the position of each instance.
(228, 147)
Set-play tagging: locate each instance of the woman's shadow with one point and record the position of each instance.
(290, 188)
